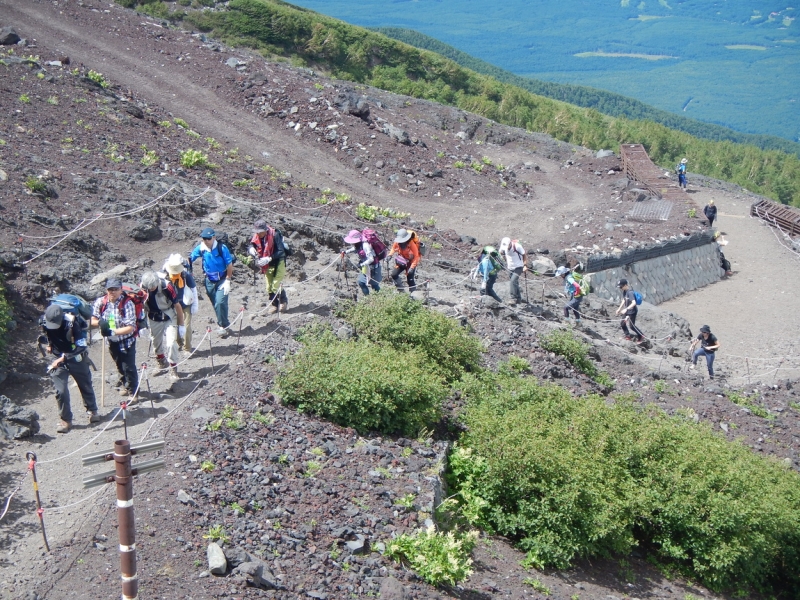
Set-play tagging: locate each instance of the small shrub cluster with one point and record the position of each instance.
(564, 343)
(576, 477)
(196, 159)
(435, 556)
(6, 315)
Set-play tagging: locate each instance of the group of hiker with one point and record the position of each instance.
(165, 301)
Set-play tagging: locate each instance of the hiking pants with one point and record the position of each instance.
(219, 301)
(412, 282)
(513, 285)
(489, 291)
(125, 359)
(575, 305)
(681, 180)
(165, 339)
(83, 377)
(709, 359)
(711, 220)
(630, 319)
(186, 342)
(375, 274)
(273, 277)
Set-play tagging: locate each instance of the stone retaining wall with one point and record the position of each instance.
(660, 279)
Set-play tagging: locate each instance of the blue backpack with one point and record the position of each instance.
(74, 305)
(638, 297)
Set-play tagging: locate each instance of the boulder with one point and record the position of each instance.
(17, 422)
(145, 231)
(397, 134)
(236, 556)
(392, 589)
(100, 279)
(217, 563)
(542, 264)
(8, 36)
(257, 574)
(603, 153)
(352, 104)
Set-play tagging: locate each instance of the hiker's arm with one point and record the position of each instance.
(714, 347)
(524, 261)
(229, 270)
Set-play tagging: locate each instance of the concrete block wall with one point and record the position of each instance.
(660, 279)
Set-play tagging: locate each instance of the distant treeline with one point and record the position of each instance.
(607, 103)
(364, 56)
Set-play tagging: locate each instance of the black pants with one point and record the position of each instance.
(410, 278)
(711, 220)
(83, 377)
(125, 359)
(631, 318)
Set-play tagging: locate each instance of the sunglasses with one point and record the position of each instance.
(112, 289)
(208, 239)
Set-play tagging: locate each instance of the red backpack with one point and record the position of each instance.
(135, 294)
(371, 236)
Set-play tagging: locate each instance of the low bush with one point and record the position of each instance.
(362, 385)
(564, 343)
(435, 556)
(404, 323)
(6, 315)
(579, 477)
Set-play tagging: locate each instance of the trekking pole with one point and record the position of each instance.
(24, 267)
(239, 335)
(777, 371)
(527, 300)
(210, 350)
(542, 294)
(149, 393)
(103, 375)
(747, 362)
(39, 510)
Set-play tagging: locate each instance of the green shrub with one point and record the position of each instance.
(362, 385)
(98, 78)
(403, 323)
(435, 556)
(195, 158)
(564, 343)
(6, 315)
(568, 478)
(36, 186)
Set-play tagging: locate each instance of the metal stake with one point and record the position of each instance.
(149, 392)
(124, 406)
(239, 335)
(527, 300)
(24, 267)
(126, 520)
(777, 371)
(543, 296)
(39, 510)
(103, 375)
(210, 351)
(747, 362)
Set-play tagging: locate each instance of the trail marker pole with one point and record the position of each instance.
(239, 335)
(39, 510)
(210, 350)
(747, 362)
(103, 375)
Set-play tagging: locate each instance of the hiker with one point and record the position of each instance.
(488, 267)
(66, 338)
(516, 262)
(115, 314)
(268, 252)
(723, 262)
(165, 314)
(708, 347)
(573, 291)
(628, 309)
(218, 267)
(681, 169)
(176, 269)
(710, 211)
(369, 257)
(406, 258)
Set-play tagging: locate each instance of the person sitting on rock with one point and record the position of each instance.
(406, 252)
(573, 292)
(515, 261)
(66, 338)
(268, 251)
(368, 261)
(628, 308)
(488, 268)
(708, 347)
(186, 288)
(115, 314)
(165, 315)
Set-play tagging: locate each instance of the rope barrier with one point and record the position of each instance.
(11, 495)
(103, 488)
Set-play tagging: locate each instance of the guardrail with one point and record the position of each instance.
(786, 218)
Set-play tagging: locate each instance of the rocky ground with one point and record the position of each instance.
(90, 180)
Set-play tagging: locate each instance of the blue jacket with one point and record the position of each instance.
(215, 261)
(488, 267)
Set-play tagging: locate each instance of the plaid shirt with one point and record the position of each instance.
(122, 318)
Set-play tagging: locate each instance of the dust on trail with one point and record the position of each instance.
(754, 313)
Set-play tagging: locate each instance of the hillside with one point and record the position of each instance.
(96, 174)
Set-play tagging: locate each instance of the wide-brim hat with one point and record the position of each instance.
(403, 235)
(174, 264)
(53, 317)
(705, 329)
(354, 237)
(684, 161)
(560, 271)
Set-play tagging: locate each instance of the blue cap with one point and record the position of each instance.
(207, 233)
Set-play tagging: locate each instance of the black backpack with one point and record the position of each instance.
(222, 240)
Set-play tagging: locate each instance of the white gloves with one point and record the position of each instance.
(253, 252)
(225, 287)
(483, 284)
(195, 305)
(181, 331)
(263, 262)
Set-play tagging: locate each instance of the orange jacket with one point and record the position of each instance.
(410, 252)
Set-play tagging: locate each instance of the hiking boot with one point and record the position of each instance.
(163, 363)
(627, 337)
(284, 306)
(125, 392)
(63, 427)
(120, 383)
(222, 332)
(692, 366)
(640, 339)
(94, 417)
(173, 374)
(272, 309)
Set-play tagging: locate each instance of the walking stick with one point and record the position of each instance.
(39, 510)
(239, 336)
(103, 375)
(527, 300)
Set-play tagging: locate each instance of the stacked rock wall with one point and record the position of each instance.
(662, 278)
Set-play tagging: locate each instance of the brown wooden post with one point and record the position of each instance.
(39, 510)
(125, 518)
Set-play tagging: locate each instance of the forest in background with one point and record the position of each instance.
(607, 103)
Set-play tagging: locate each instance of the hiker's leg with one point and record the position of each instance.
(576, 306)
(187, 321)
(211, 291)
(362, 283)
(411, 278)
(624, 325)
(697, 354)
(221, 307)
(395, 275)
(157, 330)
(171, 343)
(375, 274)
(128, 362)
(116, 356)
(513, 284)
(60, 378)
(632, 321)
(710, 362)
(490, 288)
(82, 375)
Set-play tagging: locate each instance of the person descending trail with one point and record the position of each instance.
(488, 268)
(269, 252)
(66, 336)
(185, 286)
(681, 170)
(115, 314)
(218, 267)
(628, 308)
(710, 211)
(165, 314)
(371, 251)
(573, 291)
(406, 258)
(708, 347)
(516, 263)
